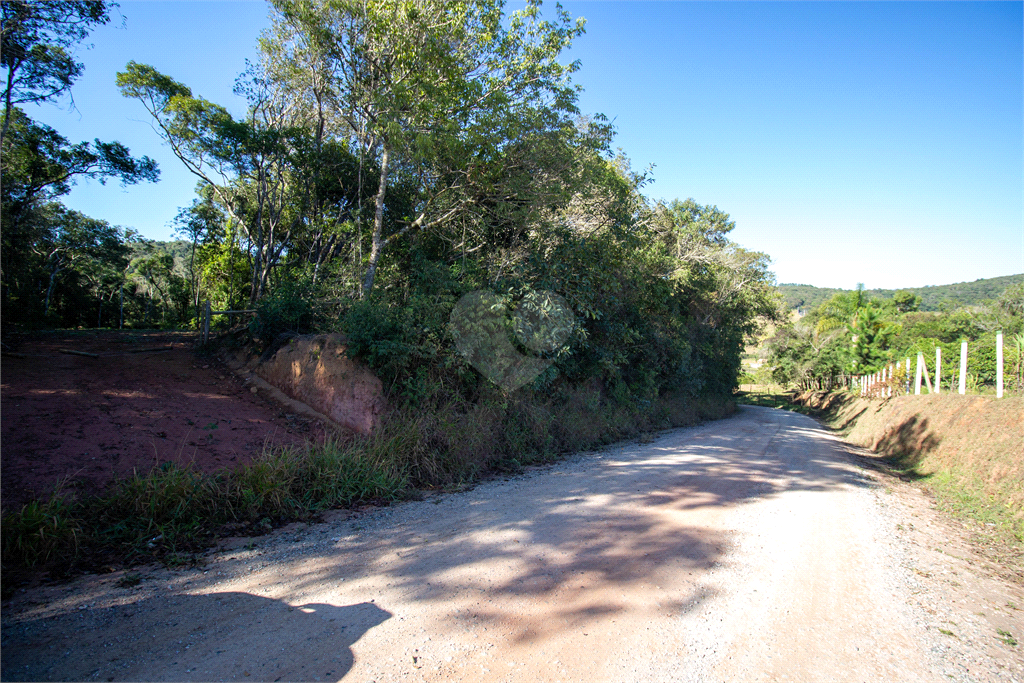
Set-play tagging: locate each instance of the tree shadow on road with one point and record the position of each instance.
(633, 528)
(236, 635)
(580, 533)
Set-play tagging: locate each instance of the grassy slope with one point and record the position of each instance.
(170, 514)
(969, 450)
(963, 293)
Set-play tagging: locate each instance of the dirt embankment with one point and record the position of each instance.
(975, 443)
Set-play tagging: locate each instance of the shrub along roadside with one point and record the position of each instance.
(171, 513)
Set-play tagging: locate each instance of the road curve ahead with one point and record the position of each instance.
(747, 549)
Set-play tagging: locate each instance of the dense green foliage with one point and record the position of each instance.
(934, 298)
(853, 333)
(396, 155)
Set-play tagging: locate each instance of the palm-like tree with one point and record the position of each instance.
(871, 335)
(838, 311)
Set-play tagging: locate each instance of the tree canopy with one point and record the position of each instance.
(36, 48)
(395, 156)
(855, 333)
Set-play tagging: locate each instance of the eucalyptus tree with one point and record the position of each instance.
(247, 165)
(449, 92)
(199, 223)
(36, 48)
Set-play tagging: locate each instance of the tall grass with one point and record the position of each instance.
(42, 532)
(173, 510)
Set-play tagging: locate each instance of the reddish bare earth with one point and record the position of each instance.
(91, 420)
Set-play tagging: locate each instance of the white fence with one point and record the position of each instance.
(892, 377)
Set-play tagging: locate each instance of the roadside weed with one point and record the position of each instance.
(1006, 637)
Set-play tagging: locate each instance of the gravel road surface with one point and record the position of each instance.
(753, 548)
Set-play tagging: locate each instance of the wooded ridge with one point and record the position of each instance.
(933, 297)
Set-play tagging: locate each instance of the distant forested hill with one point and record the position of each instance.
(932, 298)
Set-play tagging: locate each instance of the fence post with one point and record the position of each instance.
(206, 322)
(938, 369)
(921, 372)
(999, 364)
(963, 367)
(908, 374)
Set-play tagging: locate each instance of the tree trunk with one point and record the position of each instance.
(231, 272)
(194, 281)
(378, 225)
(11, 69)
(49, 291)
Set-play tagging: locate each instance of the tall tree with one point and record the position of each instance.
(248, 165)
(37, 163)
(40, 165)
(442, 89)
(871, 335)
(199, 223)
(36, 43)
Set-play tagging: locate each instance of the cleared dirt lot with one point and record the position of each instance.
(753, 548)
(88, 420)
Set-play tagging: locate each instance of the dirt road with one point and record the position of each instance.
(754, 548)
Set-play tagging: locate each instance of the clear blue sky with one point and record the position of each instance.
(862, 142)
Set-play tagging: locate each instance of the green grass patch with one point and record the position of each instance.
(962, 494)
(171, 513)
(1006, 637)
(43, 533)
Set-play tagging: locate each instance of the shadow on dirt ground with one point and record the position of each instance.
(622, 534)
(239, 635)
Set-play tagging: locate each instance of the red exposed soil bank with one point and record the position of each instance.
(979, 439)
(94, 419)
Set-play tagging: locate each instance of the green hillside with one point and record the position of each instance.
(932, 298)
